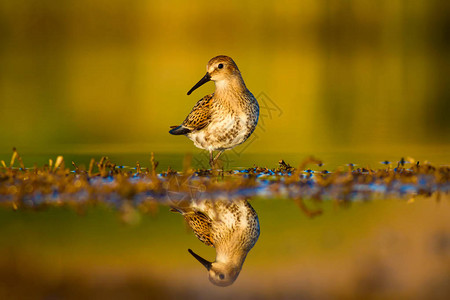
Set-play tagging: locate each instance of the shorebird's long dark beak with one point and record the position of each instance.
(203, 261)
(202, 81)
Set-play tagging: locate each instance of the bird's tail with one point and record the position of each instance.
(176, 209)
(182, 207)
(179, 130)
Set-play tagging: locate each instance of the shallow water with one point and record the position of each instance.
(331, 158)
(382, 248)
(385, 247)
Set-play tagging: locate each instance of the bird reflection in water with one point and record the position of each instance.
(231, 227)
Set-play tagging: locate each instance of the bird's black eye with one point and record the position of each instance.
(220, 66)
(221, 276)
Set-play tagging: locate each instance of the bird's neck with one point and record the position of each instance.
(235, 257)
(229, 88)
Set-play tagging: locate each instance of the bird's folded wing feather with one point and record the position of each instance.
(200, 116)
(201, 225)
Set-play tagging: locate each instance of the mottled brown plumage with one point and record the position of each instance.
(231, 227)
(200, 115)
(201, 225)
(226, 118)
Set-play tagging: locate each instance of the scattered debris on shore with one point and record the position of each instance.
(144, 188)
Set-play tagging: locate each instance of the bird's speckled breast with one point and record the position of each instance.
(230, 125)
(234, 223)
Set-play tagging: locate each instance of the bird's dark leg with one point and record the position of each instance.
(211, 159)
(217, 156)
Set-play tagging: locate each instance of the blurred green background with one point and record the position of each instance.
(368, 80)
(112, 76)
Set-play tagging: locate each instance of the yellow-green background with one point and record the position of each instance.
(354, 81)
(106, 76)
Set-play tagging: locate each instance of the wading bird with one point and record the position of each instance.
(224, 119)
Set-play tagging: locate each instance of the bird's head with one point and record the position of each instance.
(221, 274)
(220, 69)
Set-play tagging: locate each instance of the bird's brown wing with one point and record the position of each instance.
(201, 225)
(200, 115)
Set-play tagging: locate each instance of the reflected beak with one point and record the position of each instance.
(203, 261)
(202, 81)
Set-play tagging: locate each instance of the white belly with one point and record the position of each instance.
(223, 133)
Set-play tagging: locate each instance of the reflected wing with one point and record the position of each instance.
(201, 225)
(200, 116)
